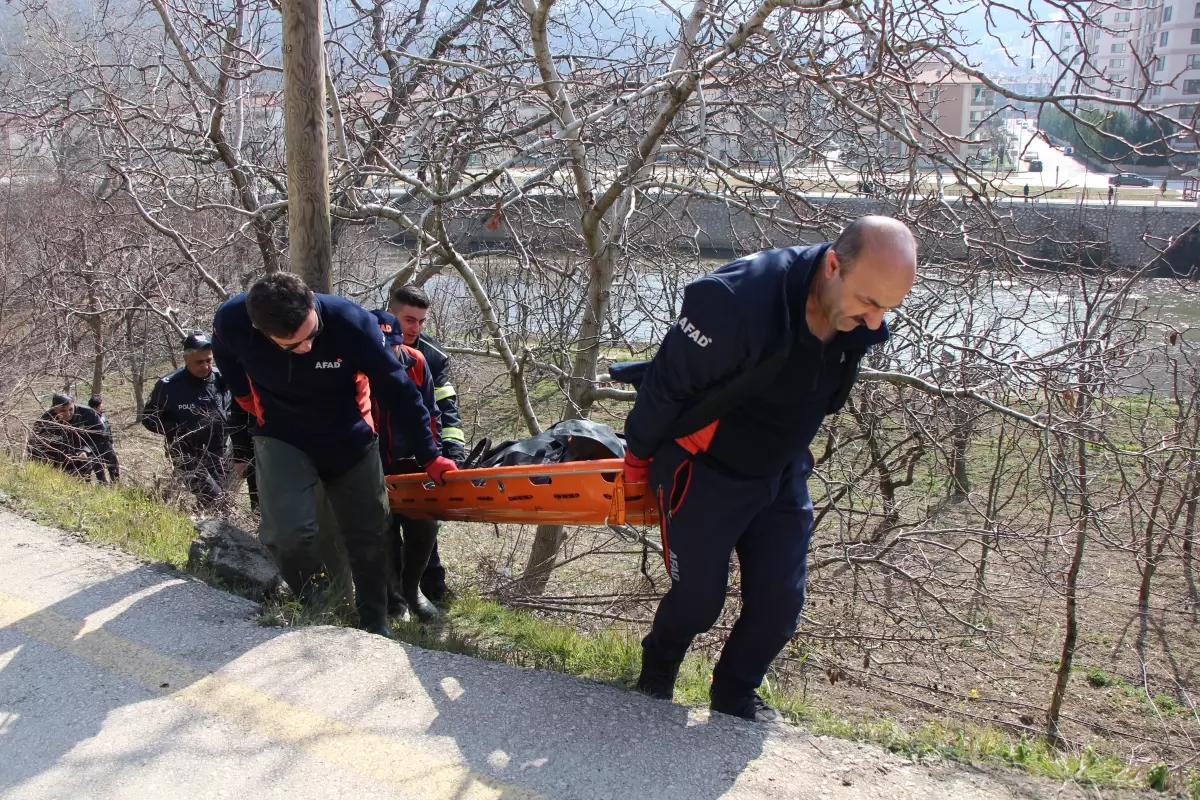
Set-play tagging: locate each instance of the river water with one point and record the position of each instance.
(1002, 318)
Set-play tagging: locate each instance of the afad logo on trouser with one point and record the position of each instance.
(672, 561)
(693, 332)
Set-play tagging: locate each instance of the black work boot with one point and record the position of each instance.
(436, 589)
(419, 537)
(371, 601)
(377, 627)
(373, 619)
(397, 607)
(747, 706)
(657, 679)
(433, 581)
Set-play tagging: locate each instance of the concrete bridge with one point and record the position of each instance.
(1055, 232)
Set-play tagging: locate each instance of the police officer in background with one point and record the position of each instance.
(410, 305)
(191, 408)
(108, 454)
(71, 437)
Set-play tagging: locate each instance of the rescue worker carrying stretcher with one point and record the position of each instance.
(410, 305)
(410, 540)
(763, 350)
(302, 364)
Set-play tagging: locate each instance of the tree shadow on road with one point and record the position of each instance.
(568, 737)
(67, 669)
(73, 673)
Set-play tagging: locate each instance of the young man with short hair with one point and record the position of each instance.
(411, 540)
(410, 305)
(305, 366)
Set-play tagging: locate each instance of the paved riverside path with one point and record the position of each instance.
(121, 679)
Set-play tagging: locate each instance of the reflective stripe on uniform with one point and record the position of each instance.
(442, 392)
(454, 435)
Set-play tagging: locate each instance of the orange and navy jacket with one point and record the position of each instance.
(393, 444)
(319, 402)
(731, 322)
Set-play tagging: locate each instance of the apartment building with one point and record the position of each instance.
(1163, 35)
(1171, 42)
(960, 105)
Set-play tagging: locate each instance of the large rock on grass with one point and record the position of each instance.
(235, 557)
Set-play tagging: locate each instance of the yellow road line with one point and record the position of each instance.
(377, 757)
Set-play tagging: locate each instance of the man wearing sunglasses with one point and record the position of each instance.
(304, 366)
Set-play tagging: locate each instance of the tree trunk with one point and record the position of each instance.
(98, 357)
(1189, 535)
(1148, 568)
(135, 345)
(95, 324)
(546, 543)
(1071, 636)
(549, 538)
(306, 143)
(960, 478)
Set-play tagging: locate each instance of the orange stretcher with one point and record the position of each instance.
(575, 493)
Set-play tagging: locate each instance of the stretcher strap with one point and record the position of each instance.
(616, 511)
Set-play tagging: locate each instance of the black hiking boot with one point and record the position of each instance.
(419, 539)
(371, 602)
(436, 590)
(379, 627)
(419, 604)
(657, 679)
(396, 606)
(747, 706)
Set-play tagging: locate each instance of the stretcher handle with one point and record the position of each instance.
(532, 471)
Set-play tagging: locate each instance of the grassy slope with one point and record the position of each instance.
(127, 518)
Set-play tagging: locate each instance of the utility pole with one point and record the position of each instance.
(305, 138)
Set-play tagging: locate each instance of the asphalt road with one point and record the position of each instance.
(120, 679)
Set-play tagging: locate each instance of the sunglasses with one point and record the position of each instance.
(316, 332)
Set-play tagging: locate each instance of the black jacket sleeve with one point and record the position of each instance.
(453, 441)
(156, 416)
(702, 350)
(225, 355)
(45, 442)
(108, 453)
(239, 433)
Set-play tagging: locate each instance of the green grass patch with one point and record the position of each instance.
(962, 742)
(1099, 678)
(1190, 784)
(122, 516)
(475, 626)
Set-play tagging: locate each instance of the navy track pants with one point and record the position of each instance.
(706, 515)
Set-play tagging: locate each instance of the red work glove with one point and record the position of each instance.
(438, 468)
(637, 470)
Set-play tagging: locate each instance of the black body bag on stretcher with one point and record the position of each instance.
(569, 440)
